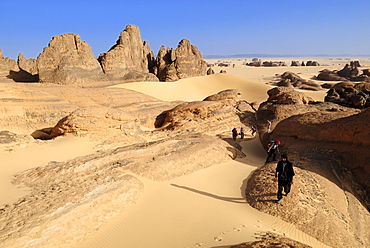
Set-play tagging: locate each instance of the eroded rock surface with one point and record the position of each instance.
(69, 61)
(130, 59)
(183, 62)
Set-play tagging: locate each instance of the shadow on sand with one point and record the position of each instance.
(222, 198)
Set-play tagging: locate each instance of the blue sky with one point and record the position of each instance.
(216, 27)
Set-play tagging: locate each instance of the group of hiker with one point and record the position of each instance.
(235, 132)
(284, 171)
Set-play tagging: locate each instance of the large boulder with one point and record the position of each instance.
(183, 62)
(350, 94)
(215, 113)
(69, 61)
(130, 59)
(327, 75)
(290, 79)
(285, 95)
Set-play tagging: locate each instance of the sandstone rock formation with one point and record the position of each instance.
(210, 71)
(130, 59)
(284, 95)
(290, 79)
(294, 63)
(312, 63)
(328, 144)
(350, 94)
(68, 60)
(216, 112)
(327, 75)
(4, 68)
(349, 72)
(183, 62)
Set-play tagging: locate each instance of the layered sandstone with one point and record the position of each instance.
(183, 62)
(69, 61)
(130, 59)
(350, 94)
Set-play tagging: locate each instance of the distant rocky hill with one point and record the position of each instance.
(69, 61)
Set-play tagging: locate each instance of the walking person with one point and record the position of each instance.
(284, 173)
(269, 123)
(242, 132)
(273, 149)
(253, 130)
(235, 133)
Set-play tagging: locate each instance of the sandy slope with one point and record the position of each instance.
(203, 209)
(28, 156)
(206, 208)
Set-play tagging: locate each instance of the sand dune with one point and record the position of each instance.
(197, 88)
(203, 209)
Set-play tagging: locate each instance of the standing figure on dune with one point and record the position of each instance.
(235, 133)
(242, 132)
(284, 173)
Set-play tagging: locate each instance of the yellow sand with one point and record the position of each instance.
(203, 209)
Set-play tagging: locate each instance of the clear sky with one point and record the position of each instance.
(217, 27)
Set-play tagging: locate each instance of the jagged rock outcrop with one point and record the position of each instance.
(4, 68)
(130, 59)
(327, 75)
(328, 145)
(350, 94)
(289, 79)
(69, 61)
(216, 112)
(183, 62)
(349, 72)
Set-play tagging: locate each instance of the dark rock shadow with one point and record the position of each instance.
(23, 76)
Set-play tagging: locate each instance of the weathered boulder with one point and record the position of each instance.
(215, 113)
(130, 59)
(355, 63)
(312, 63)
(69, 61)
(290, 79)
(284, 95)
(210, 71)
(294, 63)
(223, 71)
(349, 71)
(327, 75)
(350, 94)
(183, 62)
(95, 119)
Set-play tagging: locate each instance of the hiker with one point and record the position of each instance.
(235, 133)
(273, 149)
(269, 123)
(242, 132)
(253, 130)
(284, 173)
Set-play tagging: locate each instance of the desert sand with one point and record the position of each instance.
(206, 208)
